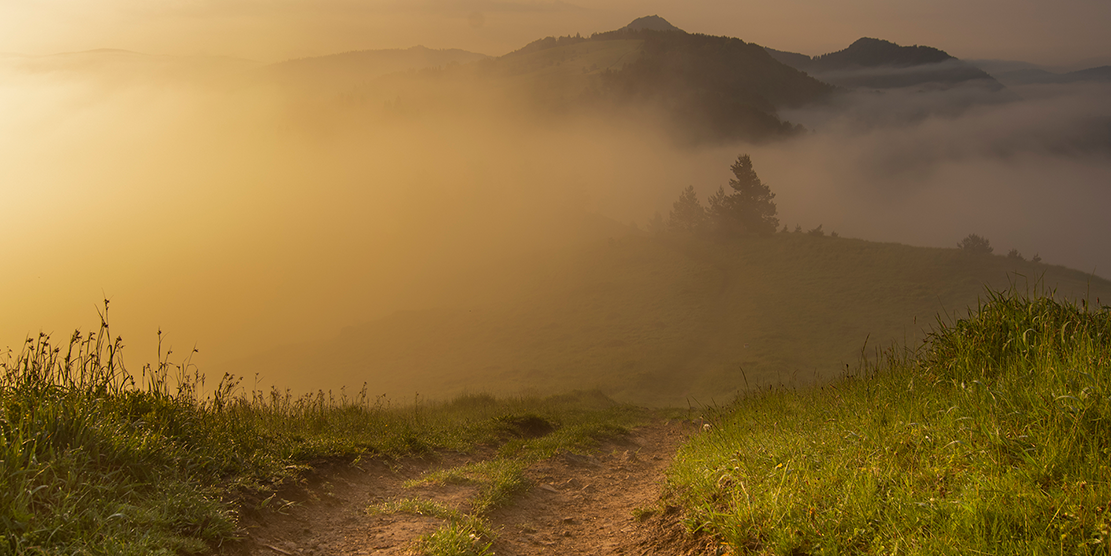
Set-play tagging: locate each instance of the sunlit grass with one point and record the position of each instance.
(994, 437)
(461, 534)
(503, 475)
(995, 430)
(96, 459)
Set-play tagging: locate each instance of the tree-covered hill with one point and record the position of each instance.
(700, 88)
(707, 87)
(722, 86)
(880, 64)
(652, 23)
(868, 52)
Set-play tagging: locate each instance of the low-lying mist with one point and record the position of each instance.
(1030, 171)
(239, 215)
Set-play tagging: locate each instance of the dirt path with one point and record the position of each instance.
(576, 505)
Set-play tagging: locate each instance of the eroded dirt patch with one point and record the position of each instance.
(330, 515)
(596, 504)
(601, 503)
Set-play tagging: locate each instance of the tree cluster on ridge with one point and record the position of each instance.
(748, 208)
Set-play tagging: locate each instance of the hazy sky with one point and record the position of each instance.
(236, 216)
(1061, 32)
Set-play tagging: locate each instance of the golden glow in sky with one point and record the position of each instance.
(181, 178)
(1058, 32)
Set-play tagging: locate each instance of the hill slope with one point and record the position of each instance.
(1035, 75)
(651, 23)
(700, 88)
(880, 64)
(340, 72)
(657, 320)
(715, 87)
(707, 88)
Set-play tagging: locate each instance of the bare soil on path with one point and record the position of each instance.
(605, 502)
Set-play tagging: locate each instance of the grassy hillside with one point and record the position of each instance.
(95, 460)
(992, 439)
(658, 320)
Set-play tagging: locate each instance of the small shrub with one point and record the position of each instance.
(975, 245)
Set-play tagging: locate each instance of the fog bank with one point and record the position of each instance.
(238, 214)
(1031, 173)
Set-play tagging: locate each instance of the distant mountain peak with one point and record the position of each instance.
(879, 64)
(651, 23)
(864, 42)
(868, 52)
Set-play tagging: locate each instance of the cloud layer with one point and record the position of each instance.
(1030, 173)
(239, 215)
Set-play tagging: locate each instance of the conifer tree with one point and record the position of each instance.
(749, 208)
(687, 214)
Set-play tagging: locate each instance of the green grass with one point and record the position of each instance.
(995, 430)
(95, 459)
(502, 476)
(461, 534)
(993, 437)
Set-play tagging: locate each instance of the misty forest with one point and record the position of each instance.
(639, 291)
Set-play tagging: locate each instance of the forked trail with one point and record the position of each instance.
(602, 503)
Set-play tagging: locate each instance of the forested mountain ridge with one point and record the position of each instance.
(870, 52)
(697, 88)
(652, 23)
(675, 63)
(711, 87)
(881, 64)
